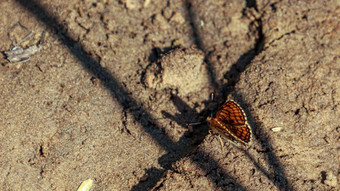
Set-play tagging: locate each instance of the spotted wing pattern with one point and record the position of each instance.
(231, 122)
(231, 113)
(241, 133)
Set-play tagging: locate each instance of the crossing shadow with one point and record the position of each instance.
(118, 92)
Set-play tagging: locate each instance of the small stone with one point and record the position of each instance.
(183, 70)
(276, 129)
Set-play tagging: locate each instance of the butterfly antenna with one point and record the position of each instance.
(212, 96)
(212, 99)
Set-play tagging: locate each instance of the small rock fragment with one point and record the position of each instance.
(276, 129)
(183, 70)
(86, 185)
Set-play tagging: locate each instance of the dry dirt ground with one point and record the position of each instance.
(114, 83)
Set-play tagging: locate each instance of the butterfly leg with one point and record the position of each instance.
(222, 144)
(193, 123)
(212, 132)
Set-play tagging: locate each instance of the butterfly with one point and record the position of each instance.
(231, 122)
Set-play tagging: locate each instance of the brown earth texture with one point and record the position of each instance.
(106, 90)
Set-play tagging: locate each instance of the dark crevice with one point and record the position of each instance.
(41, 151)
(251, 4)
(280, 37)
(297, 112)
(323, 176)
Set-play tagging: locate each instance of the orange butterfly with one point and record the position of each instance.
(231, 122)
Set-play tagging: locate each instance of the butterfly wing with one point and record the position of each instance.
(241, 133)
(231, 113)
(233, 122)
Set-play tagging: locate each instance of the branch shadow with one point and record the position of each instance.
(233, 75)
(278, 176)
(118, 92)
(122, 96)
(197, 135)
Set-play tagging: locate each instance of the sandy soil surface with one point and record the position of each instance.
(111, 85)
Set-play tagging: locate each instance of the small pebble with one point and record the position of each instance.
(276, 129)
(86, 185)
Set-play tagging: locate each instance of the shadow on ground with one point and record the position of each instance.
(126, 101)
